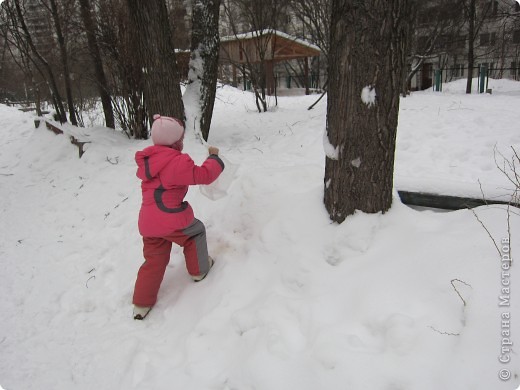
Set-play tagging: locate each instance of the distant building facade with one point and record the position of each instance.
(442, 41)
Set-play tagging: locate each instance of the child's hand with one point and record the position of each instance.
(213, 150)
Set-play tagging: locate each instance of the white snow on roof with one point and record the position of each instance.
(260, 33)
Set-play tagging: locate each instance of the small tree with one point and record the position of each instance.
(314, 16)
(476, 12)
(24, 42)
(259, 19)
(436, 29)
(124, 72)
(368, 48)
(95, 53)
(60, 37)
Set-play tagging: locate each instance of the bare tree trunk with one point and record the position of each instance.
(471, 43)
(262, 18)
(37, 100)
(60, 110)
(205, 44)
(153, 36)
(368, 49)
(123, 70)
(4, 51)
(90, 30)
(64, 61)
(314, 15)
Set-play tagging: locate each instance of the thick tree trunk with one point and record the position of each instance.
(367, 54)
(162, 93)
(205, 44)
(90, 29)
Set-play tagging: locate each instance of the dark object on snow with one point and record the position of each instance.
(73, 140)
(446, 202)
(140, 313)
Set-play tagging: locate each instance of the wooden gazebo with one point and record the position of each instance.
(269, 47)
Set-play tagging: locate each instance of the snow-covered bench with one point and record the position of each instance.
(54, 127)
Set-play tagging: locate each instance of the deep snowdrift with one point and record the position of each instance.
(406, 300)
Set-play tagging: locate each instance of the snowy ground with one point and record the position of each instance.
(293, 302)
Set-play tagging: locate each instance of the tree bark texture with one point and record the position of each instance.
(205, 42)
(90, 30)
(368, 48)
(162, 93)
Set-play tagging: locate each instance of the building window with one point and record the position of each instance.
(487, 39)
(460, 43)
(516, 36)
(457, 70)
(423, 43)
(491, 8)
(425, 16)
(453, 42)
(442, 42)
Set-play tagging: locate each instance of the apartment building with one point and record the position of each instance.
(443, 41)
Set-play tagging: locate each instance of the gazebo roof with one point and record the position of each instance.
(279, 46)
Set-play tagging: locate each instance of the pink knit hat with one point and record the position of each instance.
(166, 130)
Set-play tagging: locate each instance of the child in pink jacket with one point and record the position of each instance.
(165, 217)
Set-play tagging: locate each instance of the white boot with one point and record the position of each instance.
(198, 278)
(141, 312)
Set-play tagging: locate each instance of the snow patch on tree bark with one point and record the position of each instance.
(330, 151)
(368, 95)
(192, 95)
(356, 162)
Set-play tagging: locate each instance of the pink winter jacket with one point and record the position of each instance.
(166, 174)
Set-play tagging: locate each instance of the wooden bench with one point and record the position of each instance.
(57, 130)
